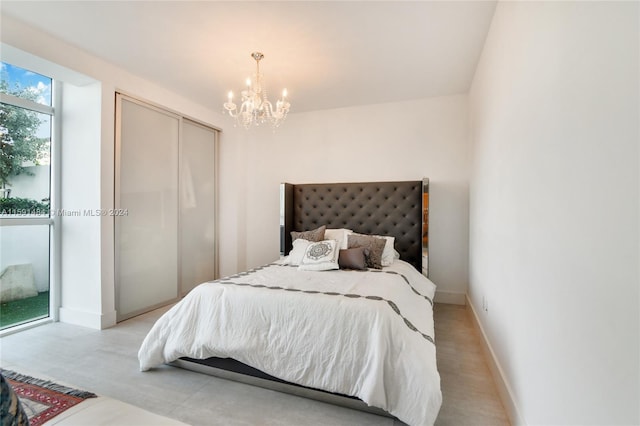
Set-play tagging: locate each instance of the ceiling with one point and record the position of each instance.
(327, 54)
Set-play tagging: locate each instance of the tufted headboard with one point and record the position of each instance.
(378, 208)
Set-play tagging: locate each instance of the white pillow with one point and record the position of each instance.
(388, 253)
(297, 252)
(340, 235)
(321, 256)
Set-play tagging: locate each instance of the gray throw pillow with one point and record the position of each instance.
(314, 235)
(373, 244)
(353, 258)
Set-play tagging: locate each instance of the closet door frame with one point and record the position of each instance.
(120, 96)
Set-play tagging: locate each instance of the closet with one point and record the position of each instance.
(165, 193)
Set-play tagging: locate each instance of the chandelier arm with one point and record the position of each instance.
(246, 108)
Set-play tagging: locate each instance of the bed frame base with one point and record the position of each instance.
(281, 386)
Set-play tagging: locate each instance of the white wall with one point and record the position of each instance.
(554, 208)
(80, 232)
(380, 142)
(35, 187)
(89, 299)
(27, 245)
(395, 141)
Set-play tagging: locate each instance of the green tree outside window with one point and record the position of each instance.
(19, 144)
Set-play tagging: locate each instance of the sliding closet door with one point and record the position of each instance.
(146, 246)
(197, 205)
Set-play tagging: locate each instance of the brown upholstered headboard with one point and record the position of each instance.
(378, 208)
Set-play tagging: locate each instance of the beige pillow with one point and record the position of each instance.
(373, 244)
(340, 235)
(313, 235)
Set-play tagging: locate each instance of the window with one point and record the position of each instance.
(26, 220)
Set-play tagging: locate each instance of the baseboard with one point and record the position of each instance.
(504, 390)
(87, 319)
(108, 320)
(450, 298)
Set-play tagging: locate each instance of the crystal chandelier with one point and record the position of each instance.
(256, 108)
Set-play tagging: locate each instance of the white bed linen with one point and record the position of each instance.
(339, 342)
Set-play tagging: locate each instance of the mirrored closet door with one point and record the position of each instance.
(165, 189)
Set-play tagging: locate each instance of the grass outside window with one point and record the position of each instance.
(24, 310)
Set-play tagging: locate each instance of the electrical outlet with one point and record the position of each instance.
(485, 304)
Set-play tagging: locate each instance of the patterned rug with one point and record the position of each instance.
(41, 399)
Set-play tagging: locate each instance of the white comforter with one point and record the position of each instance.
(282, 321)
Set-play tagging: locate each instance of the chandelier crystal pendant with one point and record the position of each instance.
(256, 108)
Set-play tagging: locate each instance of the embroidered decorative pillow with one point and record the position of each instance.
(298, 251)
(313, 235)
(375, 246)
(353, 258)
(320, 256)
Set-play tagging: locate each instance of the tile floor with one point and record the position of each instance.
(105, 362)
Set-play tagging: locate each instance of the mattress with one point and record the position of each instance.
(367, 334)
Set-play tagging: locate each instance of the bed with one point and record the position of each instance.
(363, 338)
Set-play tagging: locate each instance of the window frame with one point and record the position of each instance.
(53, 220)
